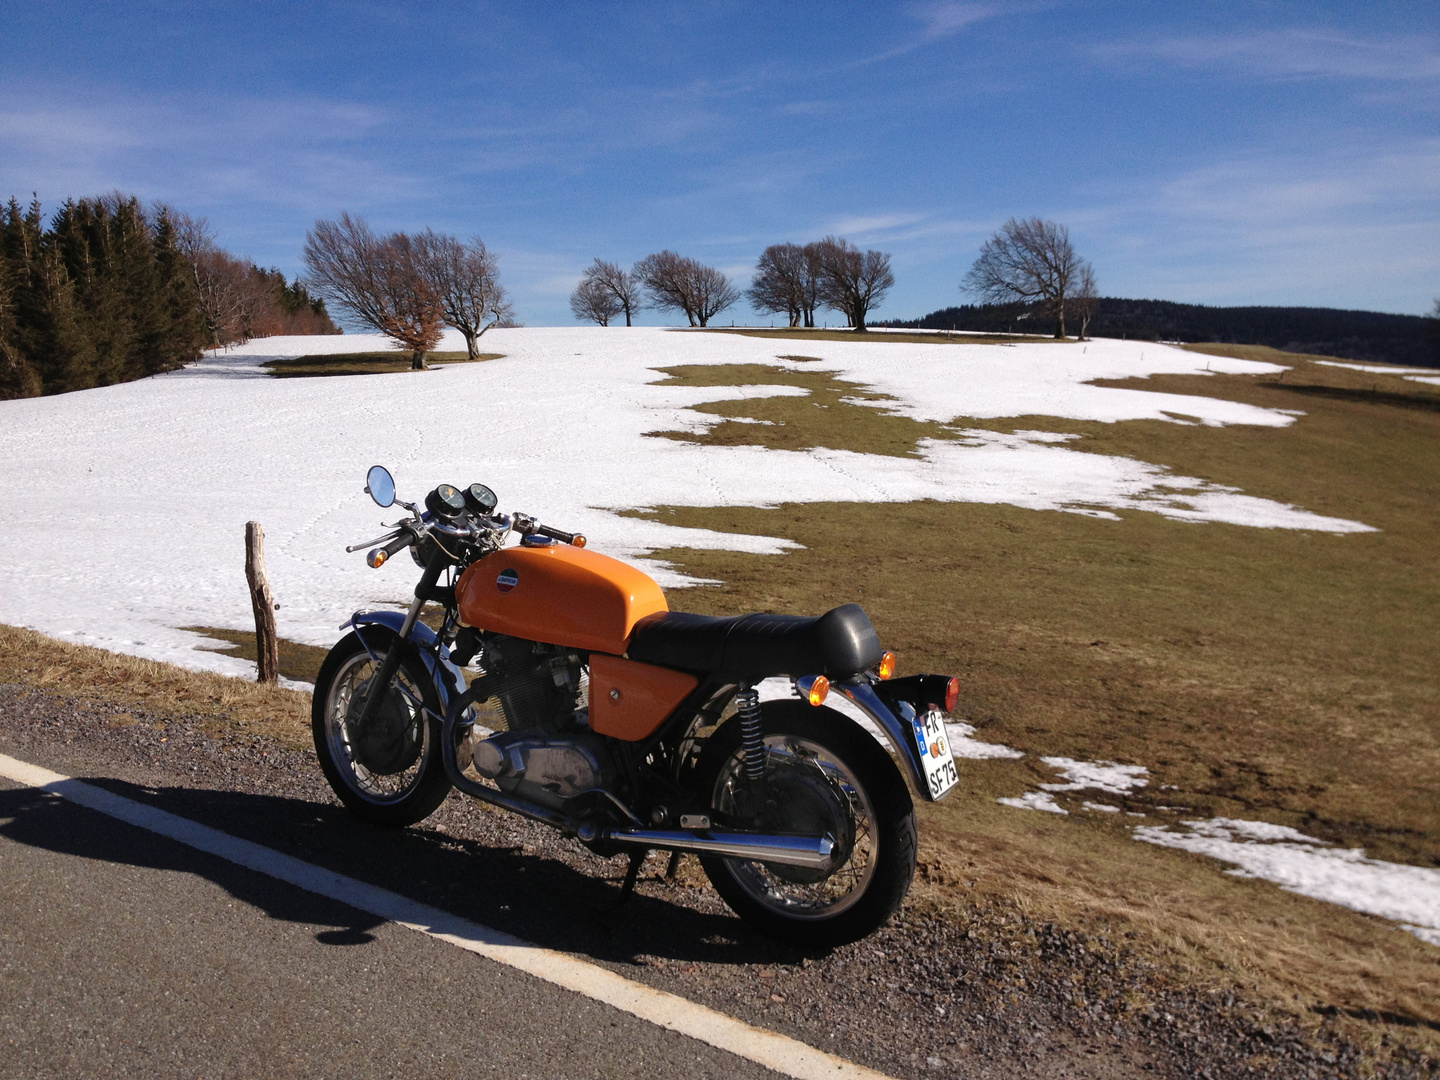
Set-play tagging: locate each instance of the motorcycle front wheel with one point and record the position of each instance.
(825, 776)
(390, 773)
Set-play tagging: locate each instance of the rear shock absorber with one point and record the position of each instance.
(747, 706)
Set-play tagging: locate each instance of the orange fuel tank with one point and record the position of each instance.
(560, 595)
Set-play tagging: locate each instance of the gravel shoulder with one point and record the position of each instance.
(974, 992)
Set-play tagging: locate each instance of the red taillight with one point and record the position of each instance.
(952, 694)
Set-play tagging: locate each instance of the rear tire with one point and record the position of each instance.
(824, 775)
(391, 776)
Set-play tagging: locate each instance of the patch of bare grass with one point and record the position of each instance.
(361, 363)
(829, 415)
(297, 661)
(38, 662)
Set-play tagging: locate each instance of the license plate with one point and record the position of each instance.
(936, 761)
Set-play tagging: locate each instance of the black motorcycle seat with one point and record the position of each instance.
(838, 644)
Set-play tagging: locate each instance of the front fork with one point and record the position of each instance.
(380, 684)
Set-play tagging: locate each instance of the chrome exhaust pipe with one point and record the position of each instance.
(811, 852)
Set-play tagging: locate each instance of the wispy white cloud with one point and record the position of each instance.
(1293, 54)
(949, 17)
(1353, 228)
(862, 225)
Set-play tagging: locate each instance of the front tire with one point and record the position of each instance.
(390, 775)
(824, 776)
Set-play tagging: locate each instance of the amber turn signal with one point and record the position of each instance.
(819, 690)
(376, 558)
(813, 688)
(952, 694)
(886, 667)
(579, 540)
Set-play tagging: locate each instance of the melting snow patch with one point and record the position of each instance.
(1101, 807)
(1035, 800)
(1107, 776)
(1379, 369)
(1433, 380)
(1096, 775)
(1410, 895)
(963, 745)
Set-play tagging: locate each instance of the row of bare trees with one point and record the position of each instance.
(665, 281)
(790, 279)
(408, 287)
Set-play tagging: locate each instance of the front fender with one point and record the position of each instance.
(449, 680)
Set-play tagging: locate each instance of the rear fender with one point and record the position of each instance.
(897, 723)
(448, 679)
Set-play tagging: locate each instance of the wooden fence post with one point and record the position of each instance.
(267, 647)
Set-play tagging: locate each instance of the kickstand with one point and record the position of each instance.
(637, 860)
(674, 867)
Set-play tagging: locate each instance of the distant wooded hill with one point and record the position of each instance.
(1370, 336)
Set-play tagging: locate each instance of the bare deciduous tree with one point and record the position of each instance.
(1087, 299)
(621, 284)
(465, 280)
(786, 281)
(379, 281)
(676, 283)
(852, 281)
(593, 302)
(238, 300)
(1027, 262)
(228, 300)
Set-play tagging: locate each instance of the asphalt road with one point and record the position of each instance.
(124, 954)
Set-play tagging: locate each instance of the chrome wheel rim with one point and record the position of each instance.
(348, 688)
(822, 788)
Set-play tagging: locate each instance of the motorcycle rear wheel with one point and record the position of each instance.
(404, 780)
(824, 775)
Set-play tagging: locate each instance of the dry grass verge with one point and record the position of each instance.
(226, 704)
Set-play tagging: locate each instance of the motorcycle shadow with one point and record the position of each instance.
(495, 869)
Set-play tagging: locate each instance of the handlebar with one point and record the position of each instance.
(377, 558)
(577, 539)
(427, 524)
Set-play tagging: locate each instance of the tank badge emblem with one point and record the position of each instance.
(507, 580)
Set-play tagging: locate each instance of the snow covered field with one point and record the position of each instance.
(124, 507)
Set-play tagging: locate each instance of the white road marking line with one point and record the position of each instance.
(774, 1051)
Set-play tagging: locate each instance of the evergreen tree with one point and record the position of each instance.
(179, 299)
(17, 378)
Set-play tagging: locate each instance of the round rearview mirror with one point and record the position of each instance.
(380, 485)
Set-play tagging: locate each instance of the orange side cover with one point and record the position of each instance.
(629, 700)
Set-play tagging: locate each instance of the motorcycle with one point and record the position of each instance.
(595, 709)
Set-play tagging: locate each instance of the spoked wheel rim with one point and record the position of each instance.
(342, 708)
(816, 794)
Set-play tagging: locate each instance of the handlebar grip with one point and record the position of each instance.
(576, 539)
(378, 556)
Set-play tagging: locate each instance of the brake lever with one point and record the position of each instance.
(377, 540)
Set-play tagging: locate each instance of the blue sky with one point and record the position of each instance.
(1223, 153)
